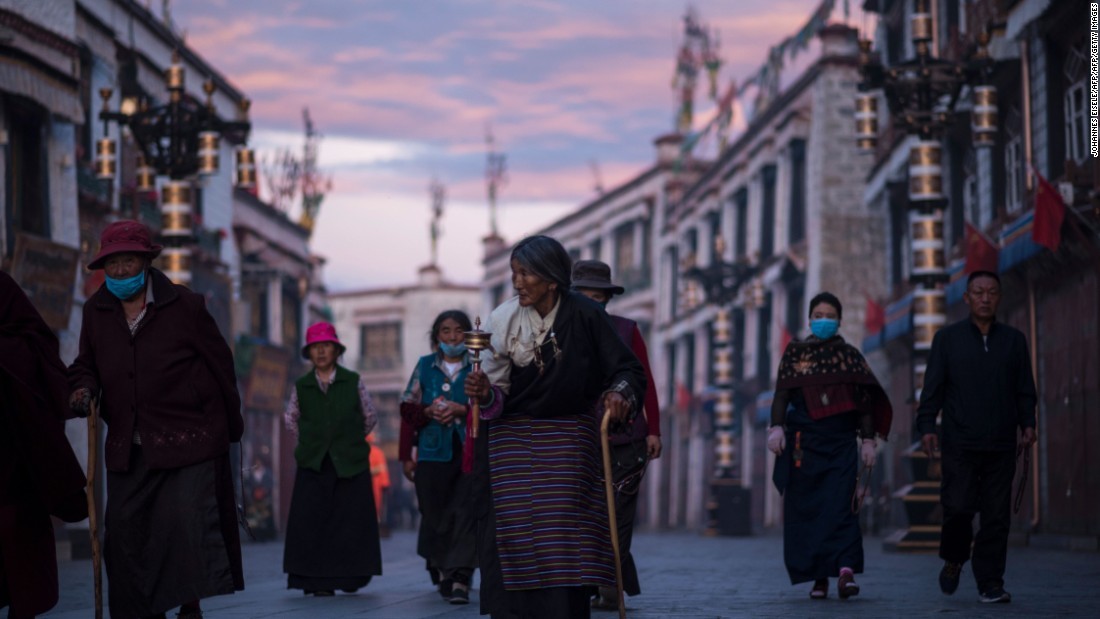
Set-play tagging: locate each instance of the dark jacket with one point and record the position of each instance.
(593, 359)
(39, 474)
(331, 423)
(650, 423)
(173, 380)
(985, 389)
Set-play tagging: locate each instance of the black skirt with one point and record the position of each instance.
(820, 532)
(331, 532)
(172, 536)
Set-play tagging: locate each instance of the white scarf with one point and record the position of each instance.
(517, 332)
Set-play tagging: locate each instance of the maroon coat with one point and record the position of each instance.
(39, 474)
(173, 379)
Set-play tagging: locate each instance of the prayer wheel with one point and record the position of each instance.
(209, 142)
(722, 327)
(176, 263)
(724, 449)
(246, 168)
(920, 23)
(723, 409)
(927, 246)
(723, 365)
(983, 116)
(866, 121)
(176, 210)
(929, 315)
(105, 162)
(145, 177)
(925, 171)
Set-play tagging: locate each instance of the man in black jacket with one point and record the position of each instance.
(979, 375)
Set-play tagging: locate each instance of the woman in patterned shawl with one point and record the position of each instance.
(556, 362)
(825, 395)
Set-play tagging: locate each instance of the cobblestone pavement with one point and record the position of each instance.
(683, 576)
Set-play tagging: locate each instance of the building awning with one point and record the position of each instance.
(20, 78)
(1016, 243)
(1023, 14)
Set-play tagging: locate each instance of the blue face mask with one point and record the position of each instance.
(126, 288)
(824, 328)
(452, 350)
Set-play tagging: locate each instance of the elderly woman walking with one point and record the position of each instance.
(825, 395)
(39, 474)
(557, 364)
(169, 399)
(332, 529)
(433, 418)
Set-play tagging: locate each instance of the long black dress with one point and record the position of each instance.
(817, 475)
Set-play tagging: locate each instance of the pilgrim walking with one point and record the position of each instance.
(825, 395)
(557, 364)
(433, 418)
(39, 474)
(332, 530)
(639, 442)
(169, 400)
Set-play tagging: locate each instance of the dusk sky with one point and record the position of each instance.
(403, 92)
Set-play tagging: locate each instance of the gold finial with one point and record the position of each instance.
(719, 245)
(105, 94)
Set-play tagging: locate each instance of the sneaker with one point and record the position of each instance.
(995, 595)
(460, 594)
(949, 577)
(446, 588)
(846, 585)
(820, 590)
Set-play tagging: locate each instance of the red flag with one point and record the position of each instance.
(683, 397)
(1049, 213)
(981, 253)
(874, 319)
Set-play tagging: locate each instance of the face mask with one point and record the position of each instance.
(824, 328)
(603, 304)
(455, 350)
(126, 288)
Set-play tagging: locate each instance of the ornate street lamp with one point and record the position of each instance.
(923, 95)
(180, 140)
(728, 504)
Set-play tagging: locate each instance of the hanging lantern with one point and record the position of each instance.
(866, 121)
(723, 409)
(925, 171)
(723, 366)
(105, 163)
(246, 168)
(145, 177)
(983, 116)
(722, 327)
(927, 246)
(176, 209)
(176, 264)
(208, 152)
(929, 316)
(724, 449)
(921, 23)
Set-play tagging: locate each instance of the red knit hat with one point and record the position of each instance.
(124, 236)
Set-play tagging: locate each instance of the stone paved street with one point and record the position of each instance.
(683, 576)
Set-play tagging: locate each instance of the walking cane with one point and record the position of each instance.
(93, 524)
(609, 490)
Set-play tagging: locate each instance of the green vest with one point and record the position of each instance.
(331, 423)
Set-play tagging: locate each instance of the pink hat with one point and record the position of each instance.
(321, 332)
(124, 236)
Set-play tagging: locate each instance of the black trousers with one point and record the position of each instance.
(628, 462)
(977, 482)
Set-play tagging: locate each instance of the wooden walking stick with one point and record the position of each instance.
(93, 524)
(613, 523)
